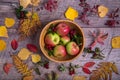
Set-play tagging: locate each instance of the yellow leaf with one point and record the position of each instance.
(114, 68)
(36, 58)
(3, 31)
(2, 45)
(9, 22)
(24, 54)
(25, 3)
(35, 2)
(116, 42)
(71, 13)
(79, 78)
(102, 11)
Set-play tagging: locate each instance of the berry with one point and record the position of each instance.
(46, 65)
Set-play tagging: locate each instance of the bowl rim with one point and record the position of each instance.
(57, 21)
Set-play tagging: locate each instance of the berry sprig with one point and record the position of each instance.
(71, 68)
(97, 53)
(44, 64)
(20, 12)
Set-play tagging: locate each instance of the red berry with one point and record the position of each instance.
(46, 66)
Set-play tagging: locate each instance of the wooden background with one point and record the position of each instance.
(6, 10)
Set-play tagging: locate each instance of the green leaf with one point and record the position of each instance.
(37, 71)
(62, 68)
(50, 53)
(20, 8)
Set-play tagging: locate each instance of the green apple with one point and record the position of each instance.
(65, 40)
(72, 48)
(52, 39)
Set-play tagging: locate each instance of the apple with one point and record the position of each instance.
(52, 39)
(72, 48)
(62, 29)
(65, 40)
(59, 51)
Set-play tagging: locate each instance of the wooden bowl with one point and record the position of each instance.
(67, 58)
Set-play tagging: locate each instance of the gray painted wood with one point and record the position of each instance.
(6, 10)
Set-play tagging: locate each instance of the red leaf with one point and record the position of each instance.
(86, 70)
(14, 44)
(32, 47)
(89, 64)
(7, 67)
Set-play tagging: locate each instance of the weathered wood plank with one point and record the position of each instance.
(6, 10)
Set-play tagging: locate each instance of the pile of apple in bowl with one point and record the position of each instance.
(62, 41)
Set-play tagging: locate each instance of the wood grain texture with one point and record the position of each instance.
(6, 10)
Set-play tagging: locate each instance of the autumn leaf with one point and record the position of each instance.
(25, 3)
(32, 48)
(29, 26)
(116, 42)
(9, 22)
(3, 31)
(99, 37)
(89, 64)
(86, 70)
(21, 67)
(24, 54)
(102, 11)
(2, 45)
(14, 44)
(7, 67)
(104, 71)
(35, 2)
(79, 78)
(36, 58)
(28, 77)
(71, 13)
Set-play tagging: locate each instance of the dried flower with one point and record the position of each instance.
(112, 21)
(86, 10)
(51, 5)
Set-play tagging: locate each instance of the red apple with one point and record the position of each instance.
(52, 39)
(65, 40)
(59, 51)
(62, 29)
(72, 48)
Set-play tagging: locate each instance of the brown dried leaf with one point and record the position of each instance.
(28, 27)
(20, 66)
(104, 70)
